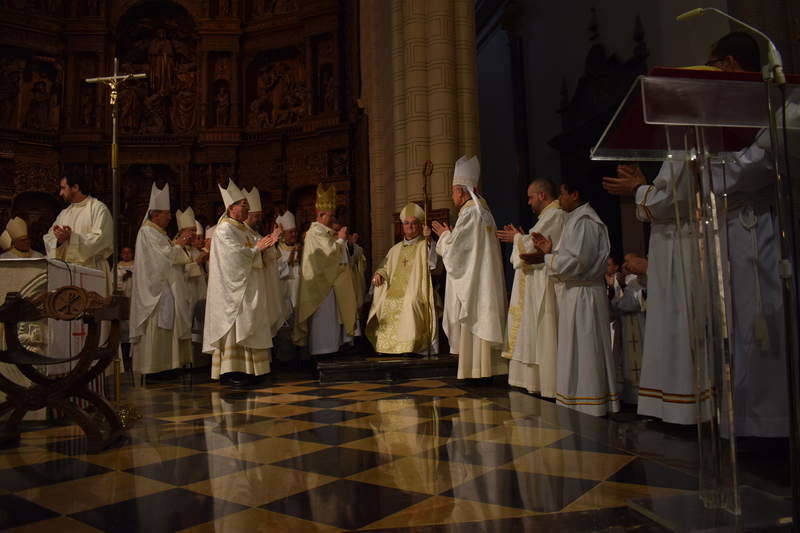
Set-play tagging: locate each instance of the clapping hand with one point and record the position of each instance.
(377, 280)
(439, 228)
(62, 233)
(629, 178)
(542, 243)
(508, 232)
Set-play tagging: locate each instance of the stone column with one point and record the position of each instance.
(430, 83)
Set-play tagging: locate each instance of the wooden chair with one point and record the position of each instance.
(102, 426)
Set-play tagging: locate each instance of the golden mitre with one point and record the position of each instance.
(326, 198)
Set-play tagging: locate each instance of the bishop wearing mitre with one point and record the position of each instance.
(278, 311)
(159, 333)
(475, 293)
(18, 240)
(326, 306)
(236, 304)
(402, 318)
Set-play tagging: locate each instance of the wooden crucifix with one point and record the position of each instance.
(114, 82)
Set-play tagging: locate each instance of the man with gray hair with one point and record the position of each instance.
(475, 294)
(532, 327)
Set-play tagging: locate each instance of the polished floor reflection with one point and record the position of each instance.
(422, 455)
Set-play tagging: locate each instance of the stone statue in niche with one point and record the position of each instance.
(131, 107)
(222, 106)
(222, 68)
(338, 163)
(37, 116)
(11, 70)
(162, 63)
(183, 115)
(328, 88)
(87, 112)
(225, 8)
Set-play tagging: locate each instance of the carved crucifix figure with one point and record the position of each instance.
(114, 82)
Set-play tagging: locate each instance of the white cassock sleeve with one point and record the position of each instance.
(575, 257)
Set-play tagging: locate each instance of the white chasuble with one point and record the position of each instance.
(475, 294)
(325, 317)
(236, 304)
(160, 330)
(667, 381)
(532, 327)
(402, 318)
(92, 236)
(586, 378)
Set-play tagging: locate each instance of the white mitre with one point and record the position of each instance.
(287, 221)
(159, 198)
(16, 228)
(253, 199)
(185, 219)
(5, 241)
(231, 195)
(467, 172)
(198, 228)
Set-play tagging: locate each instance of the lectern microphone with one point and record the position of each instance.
(774, 71)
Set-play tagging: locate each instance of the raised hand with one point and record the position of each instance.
(542, 243)
(342, 233)
(629, 178)
(439, 228)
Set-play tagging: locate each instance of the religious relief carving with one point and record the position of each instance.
(220, 93)
(53, 8)
(11, 70)
(35, 177)
(222, 173)
(42, 94)
(280, 82)
(160, 40)
(269, 8)
(7, 175)
(87, 94)
(338, 163)
(326, 90)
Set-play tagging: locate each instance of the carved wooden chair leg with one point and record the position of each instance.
(105, 409)
(10, 432)
(94, 437)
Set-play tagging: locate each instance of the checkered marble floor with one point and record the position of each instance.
(422, 455)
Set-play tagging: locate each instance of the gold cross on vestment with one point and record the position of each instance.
(405, 262)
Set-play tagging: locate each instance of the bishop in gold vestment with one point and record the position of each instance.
(325, 318)
(402, 318)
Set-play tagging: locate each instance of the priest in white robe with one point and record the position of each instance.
(271, 285)
(20, 248)
(326, 307)
(532, 326)
(235, 334)
(291, 251)
(586, 378)
(475, 294)
(83, 232)
(160, 329)
(402, 318)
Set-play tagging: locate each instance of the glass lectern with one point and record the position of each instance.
(698, 118)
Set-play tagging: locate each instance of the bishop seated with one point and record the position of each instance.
(402, 318)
